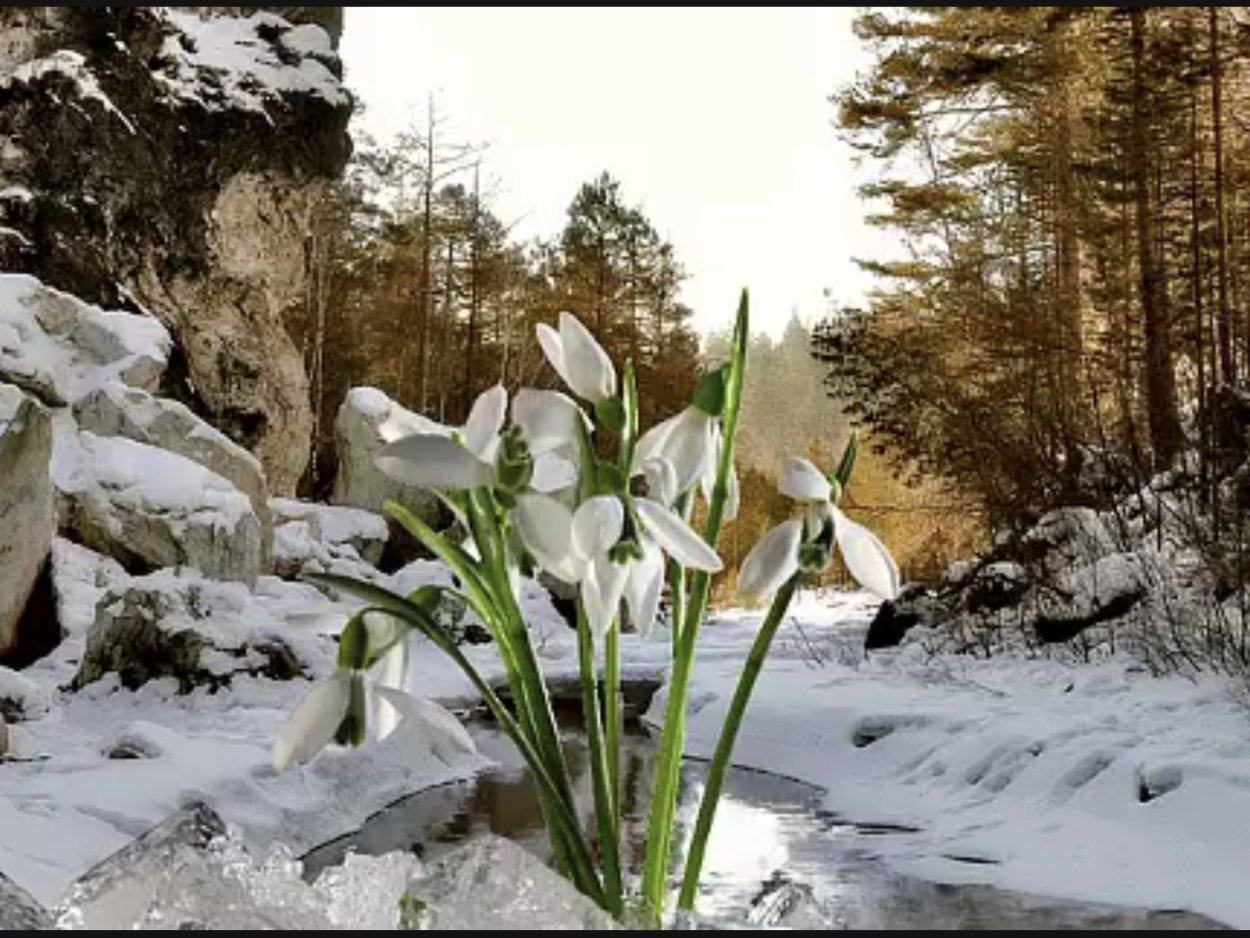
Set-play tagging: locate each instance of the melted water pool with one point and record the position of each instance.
(774, 859)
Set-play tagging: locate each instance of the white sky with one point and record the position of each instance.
(716, 121)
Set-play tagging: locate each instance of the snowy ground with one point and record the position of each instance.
(1034, 766)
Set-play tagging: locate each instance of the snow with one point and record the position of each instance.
(15, 194)
(1035, 767)
(224, 63)
(73, 66)
(143, 479)
(1087, 781)
(68, 347)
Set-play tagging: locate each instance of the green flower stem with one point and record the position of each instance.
(609, 848)
(677, 578)
(531, 687)
(668, 773)
(612, 722)
(728, 736)
(558, 813)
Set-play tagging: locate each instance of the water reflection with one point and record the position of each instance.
(773, 858)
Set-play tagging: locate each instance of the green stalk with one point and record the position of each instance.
(668, 773)
(612, 721)
(604, 802)
(496, 606)
(728, 736)
(531, 685)
(561, 814)
(677, 578)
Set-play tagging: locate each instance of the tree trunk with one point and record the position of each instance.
(1225, 321)
(1161, 411)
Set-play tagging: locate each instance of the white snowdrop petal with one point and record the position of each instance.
(597, 525)
(434, 462)
(675, 537)
(772, 561)
(485, 421)
(661, 480)
(436, 724)
(802, 481)
(602, 589)
(548, 419)
(553, 473)
(690, 447)
(644, 587)
(390, 672)
(866, 557)
(313, 723)
(651, 444)
(546, 529)
(553, 349)
(590, 372)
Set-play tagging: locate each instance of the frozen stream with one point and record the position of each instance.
(775, 858)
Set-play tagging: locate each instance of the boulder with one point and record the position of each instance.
(80, 578)
(149, 508)
(914, 606)
(366, 422)
(306, 532)
(199, 632)
(116, 410)
(27, 520)
(20, 698)
(173, 161)
(1064, 538)
(1100, 593)
(995, 586)
(58, 347)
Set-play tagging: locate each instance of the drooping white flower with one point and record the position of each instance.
(578, 359)
(686, 440)
(772, 561)
(776, 557)
(584, 547)
(469, 456)
(317, 719)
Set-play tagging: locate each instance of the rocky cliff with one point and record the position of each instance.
(167, 161)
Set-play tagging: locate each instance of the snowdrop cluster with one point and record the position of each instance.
(527, 482)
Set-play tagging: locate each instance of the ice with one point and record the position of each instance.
(492, 884)
(18, 911)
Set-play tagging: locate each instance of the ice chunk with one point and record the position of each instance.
(492, 884)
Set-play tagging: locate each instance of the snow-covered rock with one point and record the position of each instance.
(116, 410)
(20, 698)
(366, 422)
(58, 347)
(171, 162)
(150, 508)
(195, 630)
(1066, 537)
(80, 578)
(27, 520)
(305, 531)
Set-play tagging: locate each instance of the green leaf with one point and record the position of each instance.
(711, 391)
(842, 475)
(354, 643)
(611, 413)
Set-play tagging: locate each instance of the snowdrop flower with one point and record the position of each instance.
(531, 453)
(339, 709)
(807, 543)
(690, 442)
(578, 359)
(592, 547)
